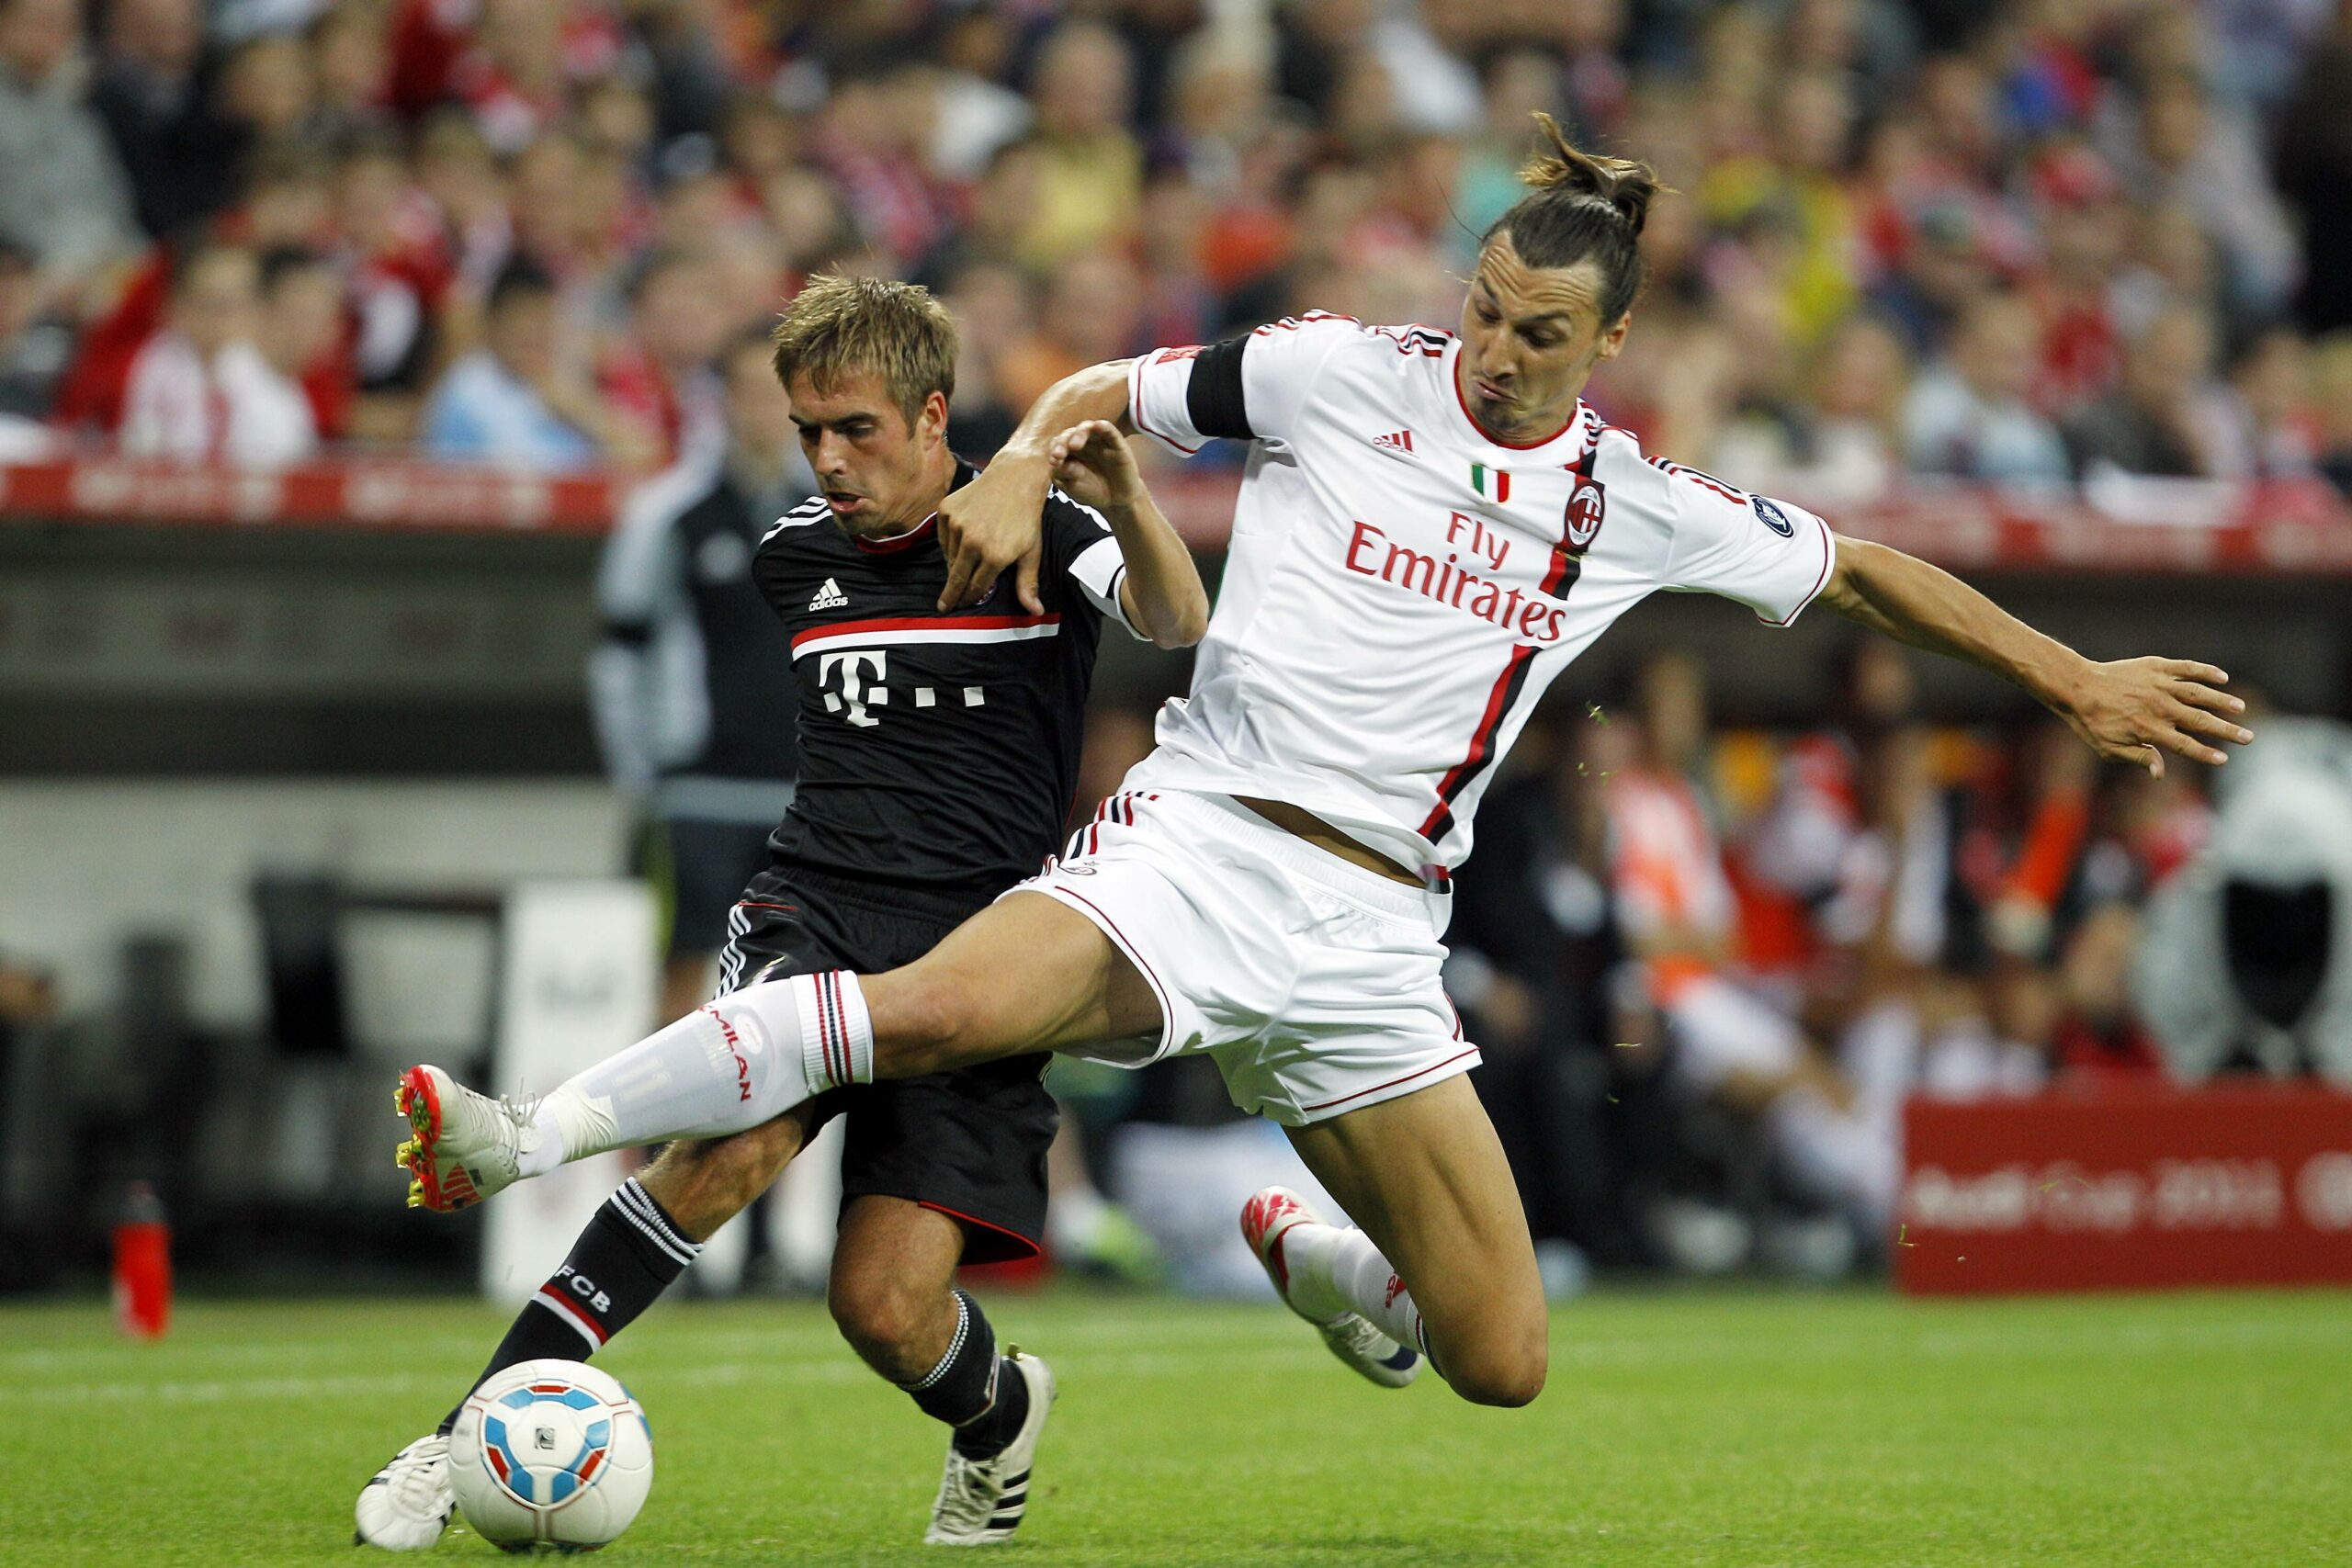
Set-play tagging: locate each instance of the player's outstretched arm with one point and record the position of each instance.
(1161, 594)
(992, 522)
(2132, 710)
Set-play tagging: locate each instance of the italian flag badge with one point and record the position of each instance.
(1492, 483)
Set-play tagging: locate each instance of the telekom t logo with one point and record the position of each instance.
(855, 690)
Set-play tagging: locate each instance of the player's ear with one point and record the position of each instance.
(931, 424)
(1612, 341)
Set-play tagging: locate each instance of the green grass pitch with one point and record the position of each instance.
(1747, 1429)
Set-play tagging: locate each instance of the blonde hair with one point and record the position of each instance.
(838, 326)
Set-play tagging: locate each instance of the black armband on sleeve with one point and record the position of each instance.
(1213, 397)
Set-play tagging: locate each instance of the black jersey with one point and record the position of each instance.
(937, 750)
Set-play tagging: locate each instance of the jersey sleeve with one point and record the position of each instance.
(1083, 544)
(1245, 389)
(1770, 555)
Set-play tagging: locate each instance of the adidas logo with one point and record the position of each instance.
(1400, 441)
(829, 597)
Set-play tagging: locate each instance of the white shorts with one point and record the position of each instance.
(1311, 982)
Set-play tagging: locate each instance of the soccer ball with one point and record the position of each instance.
(550, 1454)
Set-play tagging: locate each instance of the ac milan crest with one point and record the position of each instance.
(1586, 504)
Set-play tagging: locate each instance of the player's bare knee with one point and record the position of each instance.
(1508, 1373)
(883, 1318)
(1508, 1386)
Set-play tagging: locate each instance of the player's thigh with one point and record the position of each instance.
(702, 1183)
(1426, 1178)
(1027, 972)
(893, 1265)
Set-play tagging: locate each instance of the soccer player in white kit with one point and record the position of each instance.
(1430, 526)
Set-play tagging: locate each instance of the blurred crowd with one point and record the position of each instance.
(2022, 243)
(1708, 966)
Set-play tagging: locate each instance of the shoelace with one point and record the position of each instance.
(965, 1495)
(413, 1481)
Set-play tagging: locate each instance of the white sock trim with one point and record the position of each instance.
(633, 1203)
(955, 1346)
(836, 1030)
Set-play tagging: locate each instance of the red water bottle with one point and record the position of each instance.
(142, 1265)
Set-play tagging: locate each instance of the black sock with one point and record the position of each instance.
(969, 1386)
(621, 1264)
(987, 1434)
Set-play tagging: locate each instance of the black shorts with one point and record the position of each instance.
(969, 1143)
(699, 869)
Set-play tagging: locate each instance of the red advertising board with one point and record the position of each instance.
(2127, 1187)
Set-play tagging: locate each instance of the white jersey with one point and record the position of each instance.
(1400, 589)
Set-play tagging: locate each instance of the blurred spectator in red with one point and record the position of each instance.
(2095, 1037)
(659, 378)
(304, 338)
(201, 389)
(517, 57)
(1967, 415)
(1789, 861)
(2083, 224)
(2167, 416)
(521, 398)
(875, 129)
(389, 249)
(64, 198)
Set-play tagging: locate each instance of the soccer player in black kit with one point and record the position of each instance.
(938, 753)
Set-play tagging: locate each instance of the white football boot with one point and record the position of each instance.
(981, 1500)
(464, 1146)
(407, 1504)
(1266, 1218)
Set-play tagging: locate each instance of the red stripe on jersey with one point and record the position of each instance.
(1440, 821)
(926, 624)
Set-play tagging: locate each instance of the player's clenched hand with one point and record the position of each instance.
(2135, 710)
(987, 526)
(1093, 464)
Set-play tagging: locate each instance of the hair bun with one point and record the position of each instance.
(1624, 183)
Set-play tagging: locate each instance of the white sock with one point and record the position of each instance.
(1342, 1268)
(744, 1060)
